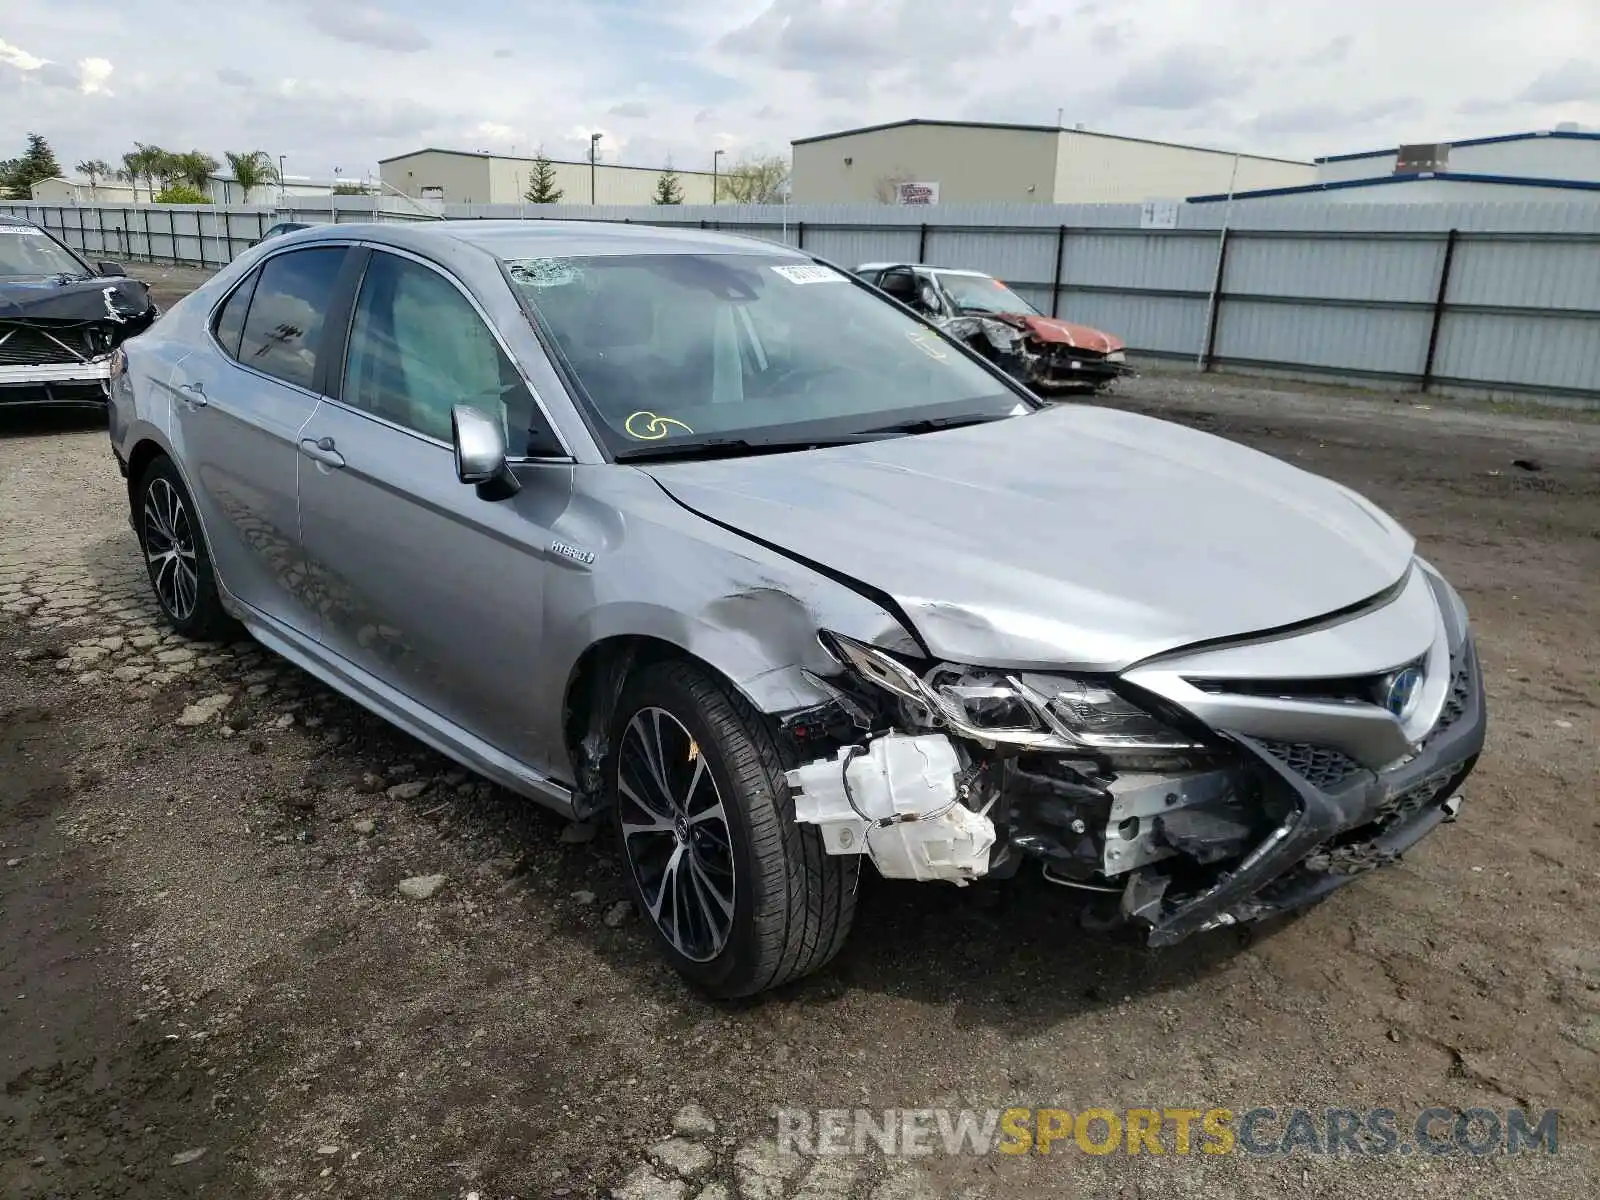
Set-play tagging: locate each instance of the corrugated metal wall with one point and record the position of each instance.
(209, 235)
(1345, 291)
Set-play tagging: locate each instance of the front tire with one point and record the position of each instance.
(175, 555)
(739, 897)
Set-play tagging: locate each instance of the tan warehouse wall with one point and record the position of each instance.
(1107, 170)
(482, 179)
(969, 165)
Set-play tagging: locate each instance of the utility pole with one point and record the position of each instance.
(714, 159)
(594, 142)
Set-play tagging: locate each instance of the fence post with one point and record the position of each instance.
(1214, 309)
(1438, 307)
(799, 235)
(1055, 282)
(922, 242)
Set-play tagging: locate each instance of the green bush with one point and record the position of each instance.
(181, 193)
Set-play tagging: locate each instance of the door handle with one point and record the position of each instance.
(321, 450)
(194, 394)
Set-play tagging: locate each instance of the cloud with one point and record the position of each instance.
(1183, 77)
(16, 56)
(367, 26)
(1575, 79)
(635, 110)
(1325, 118)
(92, 76)
(233, 77)
(504, 53)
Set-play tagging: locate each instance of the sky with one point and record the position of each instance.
(344, 83)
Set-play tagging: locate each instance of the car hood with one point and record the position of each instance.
(1079, 538)
(1063, 333)
(61, 297)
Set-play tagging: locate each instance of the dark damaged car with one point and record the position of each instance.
(60, 319)
(1051, 356)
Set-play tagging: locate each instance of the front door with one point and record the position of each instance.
(425, 586)
(241, 400)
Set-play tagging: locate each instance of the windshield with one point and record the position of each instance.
(28, 251)
(673, 348)
(979, 293)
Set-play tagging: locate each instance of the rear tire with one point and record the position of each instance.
(751, 900)
(175, 555)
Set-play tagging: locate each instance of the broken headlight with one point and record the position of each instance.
(1027, 710)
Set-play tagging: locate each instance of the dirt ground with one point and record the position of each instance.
(209, 985)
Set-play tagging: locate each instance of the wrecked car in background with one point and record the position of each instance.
(702, 534)
(1051, 356)
(60, 319)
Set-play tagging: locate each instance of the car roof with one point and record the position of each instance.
(7, 220)
(552, 239)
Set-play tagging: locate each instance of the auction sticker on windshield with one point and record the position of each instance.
(809, 273)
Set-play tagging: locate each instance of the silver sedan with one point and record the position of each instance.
(704, 534)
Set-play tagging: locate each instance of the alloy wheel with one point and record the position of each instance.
(169, 549)
(675, 834)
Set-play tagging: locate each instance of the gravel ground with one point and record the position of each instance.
(211, 983)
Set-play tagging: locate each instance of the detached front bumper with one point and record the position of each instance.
(1338, 828)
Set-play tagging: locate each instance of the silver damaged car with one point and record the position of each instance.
(703, 534)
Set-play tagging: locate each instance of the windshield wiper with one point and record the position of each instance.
(932, 424)
(730, 447)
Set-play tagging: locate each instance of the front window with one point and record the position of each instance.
(981, 294)
(675, 348)
(26, 251)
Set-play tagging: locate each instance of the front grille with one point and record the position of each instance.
(1416, 797)
(1323, 767)
(26, 345)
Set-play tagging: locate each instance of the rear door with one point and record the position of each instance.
(241, 400)
(430, 589)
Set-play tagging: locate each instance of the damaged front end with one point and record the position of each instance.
(953, 773)
(57, 339)
(1049, 357)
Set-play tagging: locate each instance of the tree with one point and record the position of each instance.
(95, 169)
(38, 161)
(251, 169)
(669, 188)
(756, 181)
(542, 187)
(195, 168)
(148, 163)
(181, 193)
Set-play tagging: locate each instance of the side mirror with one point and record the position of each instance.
(480, 447)
(929, 298)
(110, 270)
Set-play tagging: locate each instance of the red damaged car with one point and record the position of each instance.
(1049, 355)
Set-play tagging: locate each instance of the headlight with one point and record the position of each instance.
(1117, 356)
(1022, 709)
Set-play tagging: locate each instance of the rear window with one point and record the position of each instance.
(283, 331)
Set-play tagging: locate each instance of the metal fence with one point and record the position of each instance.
(1496, 299)
(1499, 299)
(201, 235)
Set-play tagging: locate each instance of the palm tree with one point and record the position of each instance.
(194, 168)
(148, 163)
(132, 168)
(95, 169)
(251, 169)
